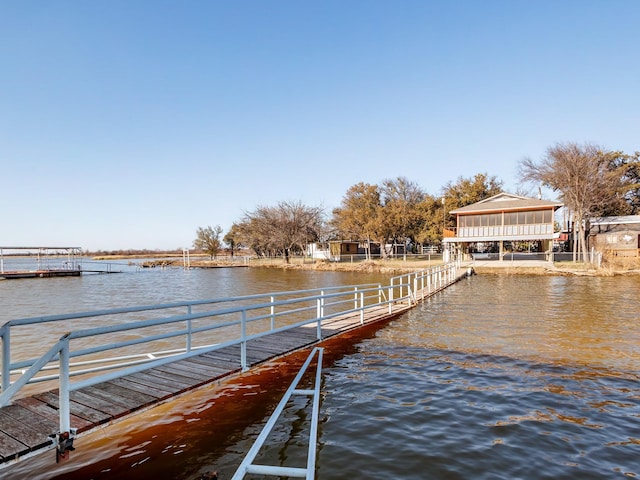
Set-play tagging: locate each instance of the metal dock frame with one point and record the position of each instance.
(248, 467)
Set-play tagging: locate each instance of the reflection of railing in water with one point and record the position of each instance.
(133, 344)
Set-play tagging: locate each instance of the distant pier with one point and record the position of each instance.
(12, 275)
(49, 262)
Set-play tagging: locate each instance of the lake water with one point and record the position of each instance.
(498, 377)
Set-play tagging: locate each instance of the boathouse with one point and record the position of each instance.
(503, 224)
(617, 236)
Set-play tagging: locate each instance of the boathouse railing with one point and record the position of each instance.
(224, 322)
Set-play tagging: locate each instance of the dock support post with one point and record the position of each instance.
(189, 329)
(273, 313)
(243, 345)
(319, 329)
(6, 358)
(319, 314)
(186, 260)
(64, 394)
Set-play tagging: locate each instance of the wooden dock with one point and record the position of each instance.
(27, 425)
(13, 275)
(50, 273)
(41, 254)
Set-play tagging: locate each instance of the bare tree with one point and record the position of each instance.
(583, 176)
(287, 226)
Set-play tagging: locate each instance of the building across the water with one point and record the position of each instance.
(617, 236)
(504, 224)
(333, 250)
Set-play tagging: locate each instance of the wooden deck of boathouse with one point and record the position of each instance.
(27, 424)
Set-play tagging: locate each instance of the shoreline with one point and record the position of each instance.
(394, 267)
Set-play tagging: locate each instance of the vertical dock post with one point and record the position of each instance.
(243, 345)
(273, 312)
(319, 314)
(64, 394)
(188, 347)
(5, 333)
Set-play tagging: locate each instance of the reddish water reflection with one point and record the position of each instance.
(189, 436)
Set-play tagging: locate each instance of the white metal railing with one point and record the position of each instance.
(220, 323)
(249, 467)
(300, 302)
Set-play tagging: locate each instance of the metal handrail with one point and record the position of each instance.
(314, 307)
(323, 299)
(248, 467)
(5, 329)
(165, 306)
(382, 299)
(200, 315)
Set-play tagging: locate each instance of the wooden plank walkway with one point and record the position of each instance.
(27, 424)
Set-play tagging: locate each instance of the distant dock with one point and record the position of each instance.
(12, 275)
(49, 262)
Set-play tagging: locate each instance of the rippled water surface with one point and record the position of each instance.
(498, 377)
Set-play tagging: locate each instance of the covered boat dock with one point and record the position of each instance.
(39, 262)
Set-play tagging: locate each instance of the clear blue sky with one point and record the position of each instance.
(131, 123)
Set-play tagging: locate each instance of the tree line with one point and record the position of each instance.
(588, 179)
